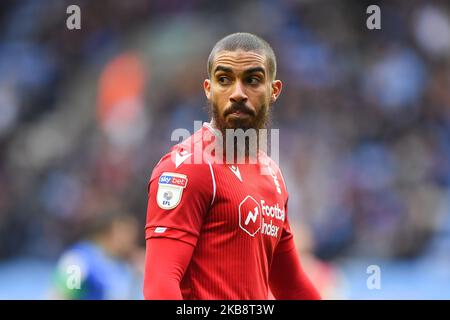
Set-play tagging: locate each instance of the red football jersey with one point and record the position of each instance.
(234, 216)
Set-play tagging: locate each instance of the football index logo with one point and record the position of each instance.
(260, 217)
(170, 189)
(249, 216)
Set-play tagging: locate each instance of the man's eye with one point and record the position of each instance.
(223, 80)
(253, 80)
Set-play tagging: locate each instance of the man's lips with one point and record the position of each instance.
(239, 115)
(239, 112)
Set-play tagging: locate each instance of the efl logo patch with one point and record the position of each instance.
(170, 189)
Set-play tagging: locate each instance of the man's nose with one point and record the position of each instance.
(238, 94)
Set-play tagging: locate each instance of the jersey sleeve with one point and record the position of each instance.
(288, 280)
(180, 194)
(286, 242)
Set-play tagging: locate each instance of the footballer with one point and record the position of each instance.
(219, 229)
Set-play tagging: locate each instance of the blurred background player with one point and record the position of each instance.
(104, 264)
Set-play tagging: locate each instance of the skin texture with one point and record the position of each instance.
(240, 90)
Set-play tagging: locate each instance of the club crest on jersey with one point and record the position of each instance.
(170, 189)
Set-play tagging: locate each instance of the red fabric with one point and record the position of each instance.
(234, 216)
(287, 279)
(166, 261)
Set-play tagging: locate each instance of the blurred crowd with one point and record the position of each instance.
(364, 115)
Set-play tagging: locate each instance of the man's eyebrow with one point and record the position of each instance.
(248, 71)
(224, 69)
(255, 69)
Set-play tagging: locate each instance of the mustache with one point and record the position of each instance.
(241, 107)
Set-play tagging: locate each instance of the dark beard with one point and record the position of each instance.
(260, 120)
(256, 121)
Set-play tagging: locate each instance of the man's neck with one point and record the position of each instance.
(238, 150)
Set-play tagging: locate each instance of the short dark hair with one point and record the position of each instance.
(246, 42)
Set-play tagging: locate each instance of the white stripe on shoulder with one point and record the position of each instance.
(208, 126)
(159, 161)
(213, 181)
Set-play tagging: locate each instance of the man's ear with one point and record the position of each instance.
(277, 85)
(207, 88)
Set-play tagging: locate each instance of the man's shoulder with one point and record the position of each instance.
(270, 167)
(266, 161)
(185, 158)
(179, 169)
(179, 159)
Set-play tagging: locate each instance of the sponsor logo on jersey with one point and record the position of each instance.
(250, 215)
(170, 189)
(261, 217)
(173, 179)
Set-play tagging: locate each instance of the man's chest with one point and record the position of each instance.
(248, 204)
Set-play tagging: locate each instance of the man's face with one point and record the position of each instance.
(240, 90)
